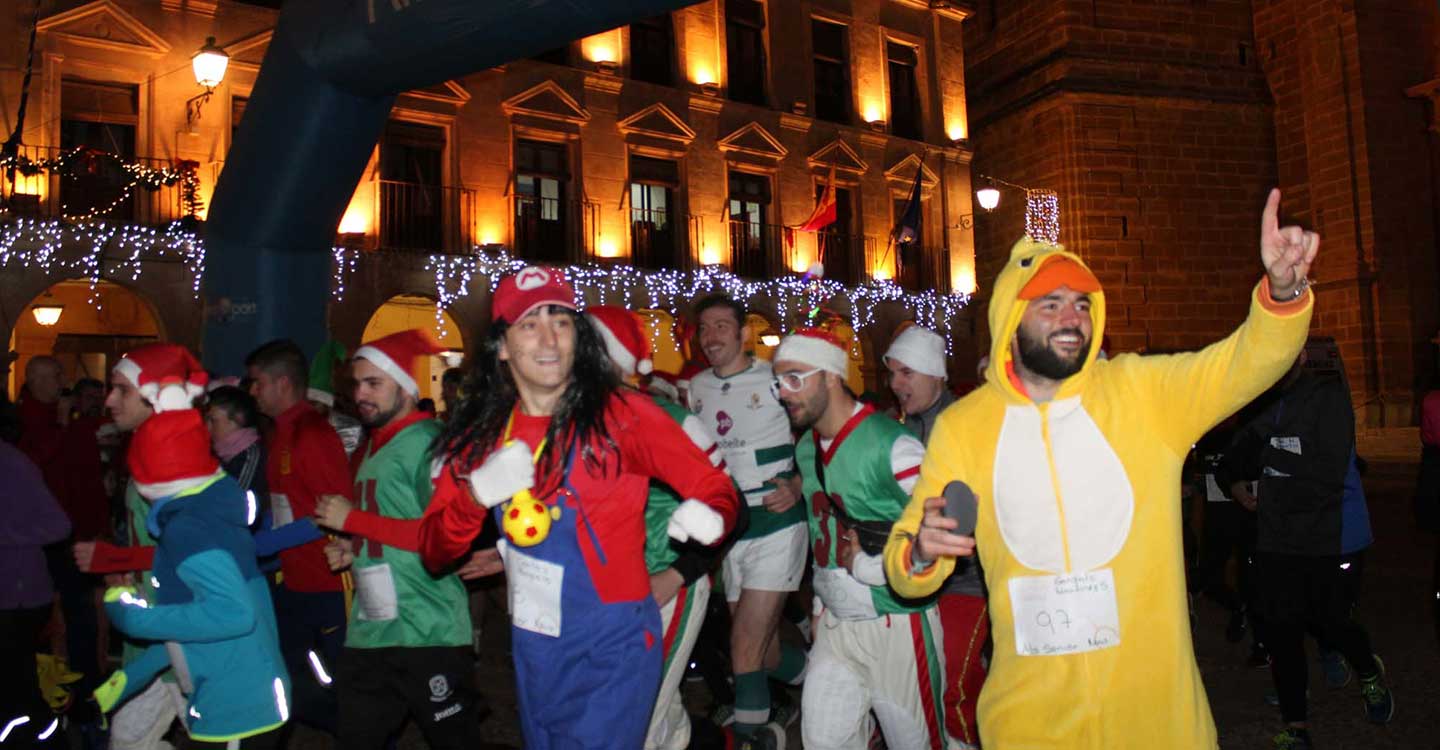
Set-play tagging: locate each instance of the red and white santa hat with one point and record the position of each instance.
(170, 452)
(167, 375)
(395, 355)
(817, 348)
(625, 340)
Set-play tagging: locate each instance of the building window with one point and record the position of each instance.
(651, 45)
(751, 236)
(904, 90)
(832, 71)
(411, 193)
(745, 50)
(542, 217)
(237, 113)
(103, 117)
(654, 238)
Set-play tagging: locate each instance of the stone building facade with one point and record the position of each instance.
(702, 137)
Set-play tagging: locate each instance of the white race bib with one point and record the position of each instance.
(844, 596)
(534, 592)
(1067, 614)
(280, 512)
(375, 592)
(1289, 444)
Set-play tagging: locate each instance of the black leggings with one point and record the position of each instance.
(1315, 594)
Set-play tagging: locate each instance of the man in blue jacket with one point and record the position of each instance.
(211, 620)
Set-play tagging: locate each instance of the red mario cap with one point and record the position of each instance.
(528, 289)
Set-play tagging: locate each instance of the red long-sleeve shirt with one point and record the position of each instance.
(306, 460)
(400, 533)
(612, 496)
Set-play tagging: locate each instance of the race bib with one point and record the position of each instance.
(375, 592)
(280, 512)
(1067, 614)
(534, 592)
(844, 596)
(1289, 444)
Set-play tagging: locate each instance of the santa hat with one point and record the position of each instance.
(171, 450)
(624, 339)
(170, 453)
(816, 348)
(919, 349)
(322, 372)
(166, 375)
(395, 355)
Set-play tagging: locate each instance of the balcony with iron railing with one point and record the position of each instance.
(86, 185)
(550, 230)
(418, 218)
(845, 256)
(769, 250)
(657, 240)
(921, 268)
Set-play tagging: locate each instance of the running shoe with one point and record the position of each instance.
(1379, 701)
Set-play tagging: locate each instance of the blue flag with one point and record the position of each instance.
(908, 229)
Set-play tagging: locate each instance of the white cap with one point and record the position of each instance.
(921, 350)
(816, 348)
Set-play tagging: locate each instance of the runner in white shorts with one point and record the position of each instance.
(873, 651)
(736, 400)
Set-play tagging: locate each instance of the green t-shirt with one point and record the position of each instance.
(397, 602)
(662, 502)
(138, 509)
(860, 473)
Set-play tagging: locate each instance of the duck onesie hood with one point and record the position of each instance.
(1078, 530)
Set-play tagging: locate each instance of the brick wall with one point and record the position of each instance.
(1163, 123)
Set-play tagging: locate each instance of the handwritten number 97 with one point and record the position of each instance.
(1045, 619)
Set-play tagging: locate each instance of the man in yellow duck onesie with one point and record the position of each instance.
(1075, 464)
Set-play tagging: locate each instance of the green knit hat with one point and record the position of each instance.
(322, 372)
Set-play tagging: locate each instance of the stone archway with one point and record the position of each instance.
(88, 337)
(405, 311)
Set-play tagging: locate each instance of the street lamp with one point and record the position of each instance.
(47, 315)
(988, 196)
(209, 65)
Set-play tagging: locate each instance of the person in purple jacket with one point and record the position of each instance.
(30, 518)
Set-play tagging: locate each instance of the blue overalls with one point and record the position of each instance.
(594, 685)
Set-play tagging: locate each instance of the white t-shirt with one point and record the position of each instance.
(749, 424)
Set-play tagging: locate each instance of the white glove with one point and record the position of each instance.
(504, 473)
(696, 520)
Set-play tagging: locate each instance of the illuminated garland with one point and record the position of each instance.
(1042, 215)
(39, 244)
(668, 289)
(72, 162)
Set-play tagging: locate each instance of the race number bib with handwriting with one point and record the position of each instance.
(280, 512)
(375, 590)
(1067, 614)
(535, 586)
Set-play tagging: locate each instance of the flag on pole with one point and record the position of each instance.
(907, 230)
(824, 213)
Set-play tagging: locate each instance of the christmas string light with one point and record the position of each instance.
(1042, 215)
(345, 260)
(184, 174)
(42, 244)
(669, 289)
